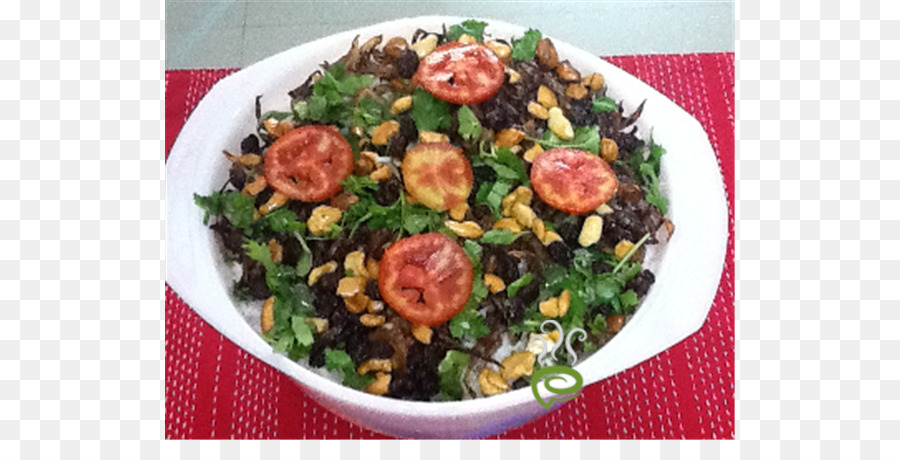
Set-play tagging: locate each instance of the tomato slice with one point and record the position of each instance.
(572, 180)
(426, 278)
(437, 175)
(308, 163)
(460, 73)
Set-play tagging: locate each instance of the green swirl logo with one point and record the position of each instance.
(549, 376)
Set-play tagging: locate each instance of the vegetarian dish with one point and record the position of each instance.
(425, 204)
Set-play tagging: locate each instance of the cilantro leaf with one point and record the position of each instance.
(604, 104)
(368, 114)
(628, 300)
(329, 99)
(469, 126)
(429, 112)
(359, 185)
(469, 27)
(586, 138)
(507, 165)
(598, 325)
(302, 330)
(237, 208)
(524, 48)
(468, 321)
(284, 220)
(339, 360)
(518, 284)
(502, 236)
(492, 195)
(450, 371)
(651, 185)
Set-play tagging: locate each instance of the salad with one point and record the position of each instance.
(425, 204)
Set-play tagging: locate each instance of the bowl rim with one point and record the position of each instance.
(181, 281)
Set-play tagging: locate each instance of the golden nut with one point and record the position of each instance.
(458, 212)
(370, 320)
(422, 333)
(523, 214)
(249, 159)
(593, 81)
(537, 110)
(425, 46)
(493, 283)
(549, 237)
(375, 306)
(546, 53)
(276, 201)
(467, 39)
(430, 137)
(508, 137)
(517, 365)
(355, 262)
(372, 268)
(550, 307)
(591, 230)
(357, 303)
(350, 286)
(609, 150)
(546, 98)
(382, 173)
(491, 382)
(319, 222)
(539, 229)
(604, 209)
(323, 269)
(384, 131)
(277, 128)
(513, 75)
(502, 51)
(466, 229)
(253, 188)
(507, 223)
(523, 195)
(565, 299)
(576, 91)
(401, 105)
(566, 72)
(560, 125)
(374, 365)
(267, 317)
(380, 385)
(533, 152)
(395, 47)
(622, 249)
(320, 324)
(275, 250)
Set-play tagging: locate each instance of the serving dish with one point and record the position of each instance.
(688, 270)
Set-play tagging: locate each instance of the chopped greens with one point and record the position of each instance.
(329, 101)
(649, 173)
(368, 114)
(523, 49)
(469, 322)
(514, 287)
(586, 138)
(428, 112)
(502, 236)
(469, 126)
(339, 360)
(450, 370)
(604, 104)
(491, 194)
(470, 27)
(236, 207)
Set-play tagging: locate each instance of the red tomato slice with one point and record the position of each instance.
(572, 180)
(437, 175)
(426, 278)
(460, 73)
(307, 163)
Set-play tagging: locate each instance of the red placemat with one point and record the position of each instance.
(216, 390)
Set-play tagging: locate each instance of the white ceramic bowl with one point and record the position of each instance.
(687, 270)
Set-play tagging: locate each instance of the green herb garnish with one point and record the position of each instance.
(523, 49)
